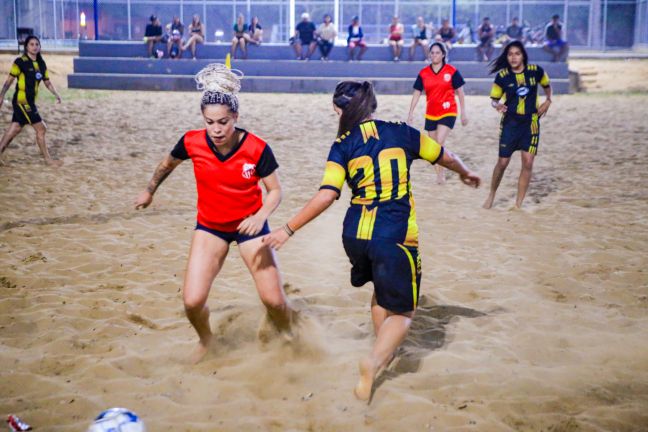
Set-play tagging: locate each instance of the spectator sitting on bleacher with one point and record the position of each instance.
(513, 32)
(356, 39)
(241, 36)
(174, 44)
(486, 34)
(304, 36)
(395, 40)
(256, 31)
(197, 32)
(554, 42)
(446, 35)
(419, 37)
(326, 34)
(152, 34)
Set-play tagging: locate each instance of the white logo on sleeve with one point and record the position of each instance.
(248, 170)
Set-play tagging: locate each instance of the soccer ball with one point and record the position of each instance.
(117, 420)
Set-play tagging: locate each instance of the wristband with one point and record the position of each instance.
(288, 230)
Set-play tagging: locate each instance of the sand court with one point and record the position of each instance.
(529, 320)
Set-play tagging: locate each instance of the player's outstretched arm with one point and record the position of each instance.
(162, 171)
(453, 162)
(316, 206)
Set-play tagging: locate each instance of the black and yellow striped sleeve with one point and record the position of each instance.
(46, 75)
(430, 150)
(15, 70)
(497, 91)
(544, 78)
(334, 173)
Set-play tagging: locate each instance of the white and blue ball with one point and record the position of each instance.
(117, 420)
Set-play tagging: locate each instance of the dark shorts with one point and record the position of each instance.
(25, 114)
(557, 43)
(229, 237)
(431, 125)
(519, 134)
(395, 270)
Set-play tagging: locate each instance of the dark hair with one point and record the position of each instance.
(501, 62)
(442, 48)
(555, 17)
(219, 98)
(39, 57)
(357, 101)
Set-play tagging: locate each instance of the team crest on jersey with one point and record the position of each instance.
(446, 105)
(248, 170)
(522, 91)
(39, 76)
(447, 77)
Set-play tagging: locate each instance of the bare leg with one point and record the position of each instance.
(233, 49)
(311, 49)
(442, 133)
(298, 50)
(40, 140)
(243, 46)
(498, 173)
(261, 262)
(206, 258)
(363, 49)
(9, 134)
(391, 334)
(525, 177)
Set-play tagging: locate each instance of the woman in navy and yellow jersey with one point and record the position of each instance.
(517, 81)
(442, 84)
(228, 164)
(380, 233)
(29, 69)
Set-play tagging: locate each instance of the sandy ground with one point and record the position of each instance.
(530, 320)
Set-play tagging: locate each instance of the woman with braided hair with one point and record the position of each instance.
(380, 235)
(228, 164)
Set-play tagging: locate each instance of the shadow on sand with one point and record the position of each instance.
(428, 333)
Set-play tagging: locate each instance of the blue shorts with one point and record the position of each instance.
(395, 270)
(431, 125)
(519, 134)
(229, 237)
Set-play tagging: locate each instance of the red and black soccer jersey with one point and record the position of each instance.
(228, 186)
(439, 88)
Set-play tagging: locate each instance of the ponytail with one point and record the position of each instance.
(356, 100)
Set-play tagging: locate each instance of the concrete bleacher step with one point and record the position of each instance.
(287, 67)
(267, 84)
(269, 51)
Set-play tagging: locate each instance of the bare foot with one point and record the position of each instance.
(200, 351)
(489, 202)
(367, 369)
(54, 162)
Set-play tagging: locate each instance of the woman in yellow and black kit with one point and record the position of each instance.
(380, 234)
(29, 69)
(517, 82)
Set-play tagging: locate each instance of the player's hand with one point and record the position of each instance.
(471, 179)
(410, 119)
(143, 200)
(501, 108)
(464, 120)
(276, 238)
(251, 225)
(542, 109)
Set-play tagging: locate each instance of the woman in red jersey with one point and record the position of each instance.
(441, 82)
(228, 164)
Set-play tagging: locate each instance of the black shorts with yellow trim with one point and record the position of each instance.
(519, 133)
(449, 121)
(25, 114)
(394, 269)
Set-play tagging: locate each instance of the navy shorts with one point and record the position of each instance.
(431, 125)
(395, 270)
(25, 114)
(519, 134)
(229, 237)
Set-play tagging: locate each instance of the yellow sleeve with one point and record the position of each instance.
(430, 150)
(334, 176)
(15, 71)
(46, 75)
(544, 81)
(496, 92)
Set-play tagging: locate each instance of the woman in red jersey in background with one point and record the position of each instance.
(440, 82)
(228, 164)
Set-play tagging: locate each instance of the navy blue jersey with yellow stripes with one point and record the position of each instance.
(29, 74)
(374, 159)
(520, 90)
